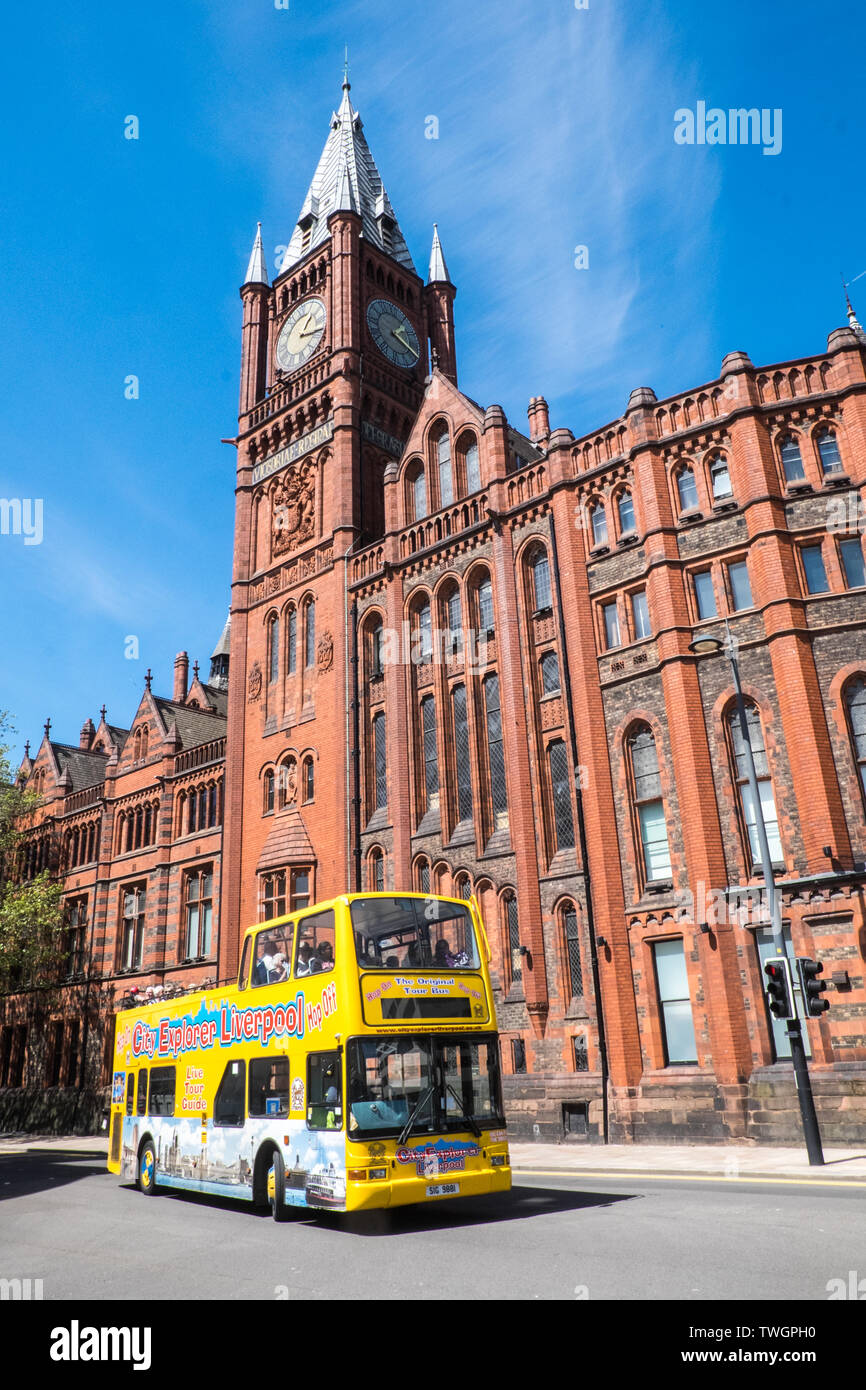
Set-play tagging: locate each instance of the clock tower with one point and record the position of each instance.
(335, 353)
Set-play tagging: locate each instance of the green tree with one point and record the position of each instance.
(31, 912)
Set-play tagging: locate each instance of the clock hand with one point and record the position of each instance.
(400, 334)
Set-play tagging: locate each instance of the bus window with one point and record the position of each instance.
(273, 953)
(244, 972)
(324, 1091)
(141, 1098)
(161, 1091)
(229, 1104)
(130, 1092)
(315, 943)
(413, 934)
(269, 1086)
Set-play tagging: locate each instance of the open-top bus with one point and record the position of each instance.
(355, 1064)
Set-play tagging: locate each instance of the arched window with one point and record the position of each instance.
(540, 572)
(274, 649)
(598, 520)
(430, 753)
(687, 489)
(463, 886)
(424, 618)
(828, 451)
(855, 702)
(268, 792)
(720, 479)
(376, 871)
(472, 464)
(560, 781)
(310, 633)
(792, 459)
(495, 752)
(550, 683)
(422, 875)
(375, 635)
(625, 507)
(443, 465)
(484, 592)
(649, 806)
(512, 933)
(452, 613)
(309, 780)
(379, 762)
(417, 485)
(292, 642)
(571, 943)
(765, 785)
(462, 754)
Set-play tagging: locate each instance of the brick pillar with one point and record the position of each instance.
(399, 741)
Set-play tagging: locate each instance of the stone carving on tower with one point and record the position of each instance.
(293, 509)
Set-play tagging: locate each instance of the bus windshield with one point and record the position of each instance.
(423, 1084)
(413, 934)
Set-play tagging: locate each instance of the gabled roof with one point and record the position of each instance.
(193, 725)
(347, 179)
(85, 769)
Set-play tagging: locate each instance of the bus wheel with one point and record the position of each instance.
(277, 1188)
(147, 1169)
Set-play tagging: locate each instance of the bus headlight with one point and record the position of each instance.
(498, 1160)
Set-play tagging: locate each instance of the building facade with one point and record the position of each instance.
(460, 662)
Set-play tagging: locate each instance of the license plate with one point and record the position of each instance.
(444, 1189)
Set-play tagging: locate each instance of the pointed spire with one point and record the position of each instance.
(438, 269)
(344, 199)
(257, 270)
(853, 322)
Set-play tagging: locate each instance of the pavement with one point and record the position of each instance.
(705, 1162)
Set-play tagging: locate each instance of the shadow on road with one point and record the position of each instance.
(23, 1174)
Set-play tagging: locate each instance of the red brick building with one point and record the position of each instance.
(460, 659)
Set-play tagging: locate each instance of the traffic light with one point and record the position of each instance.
(780, 994)
(808, 971)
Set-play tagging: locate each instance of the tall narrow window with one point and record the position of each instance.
(425, 631)
(310, 616)
(485, 606)
(626, 514)
(852, 563)
(792, 460)
(269, 791)
(813, 568)
(512, 926)
(599, 525)
(560, 781)
(541, 582)
(462, 753)
(741, 589)
(132, 928)
(199, 913)
(274, 653)
(454, 621)
(640, 614)
(292, 643)
(765, 785)
(688, 490)
(611, 626)
(828, 452)
(443, 459)
(376, 871)
(721, 479)
(273, 889)
(381, 770)
(675, 1007)
(473, 469)
(76, 927)
(650, 806)
(418, 493)
(855, 700)
(705, 596)
(423, 871)
(495, 752)
(572, 952)
(431, 757)
(550, 682)
(309, 779)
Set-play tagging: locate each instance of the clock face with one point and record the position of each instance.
(301, 334)
(392, 333)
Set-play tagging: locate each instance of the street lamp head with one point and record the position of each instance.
(705, 645)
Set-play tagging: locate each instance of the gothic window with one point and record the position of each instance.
(571, 935)
(198, 913)
(425, 630)
(422, 875)
(292, 642)
(431, 757)
(376, 871)
(381, 775)
(443, 465)
(274, 649)
(472, 464)
(453, 615)
(310, 633)
(486, 620)
(765, 785)
(309, 780)
(463, 886)
(462, 754)
(598, 520)
(792, 459)
(550, 683)
(512, 932)
(269, 791)
(828, 451)
(375, 637)
(649, 805)
(417, 492)
(540, 572)
(720, 478)
(273, 895)
(625, 507)
(560, 781)
(855, 702)
(495, 751)
(687, 489)
(132, 927)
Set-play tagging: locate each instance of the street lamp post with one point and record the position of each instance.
(706, 644)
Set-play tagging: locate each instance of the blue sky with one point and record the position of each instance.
(555, 130)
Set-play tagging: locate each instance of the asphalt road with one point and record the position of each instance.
(67, 1221)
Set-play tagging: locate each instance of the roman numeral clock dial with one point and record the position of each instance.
(392, 333)
(301, 334)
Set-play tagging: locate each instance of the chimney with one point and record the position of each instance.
(181, 677)
(539, 420)
(87, 735)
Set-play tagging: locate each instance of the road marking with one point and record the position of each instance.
(686, 1177)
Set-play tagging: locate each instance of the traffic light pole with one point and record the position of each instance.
(811, 1132)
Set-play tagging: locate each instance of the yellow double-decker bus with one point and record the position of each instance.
(355, 1064)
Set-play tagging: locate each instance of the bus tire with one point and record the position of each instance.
(146, 1179)
(277, 1199)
